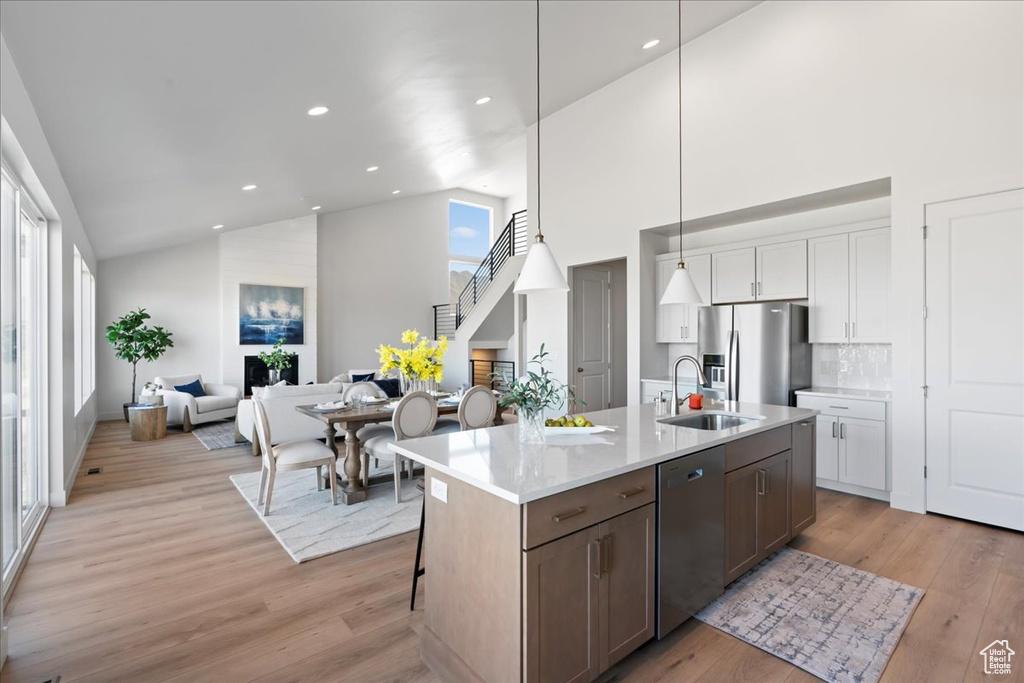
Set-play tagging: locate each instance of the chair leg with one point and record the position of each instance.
(398, 478)
(319, 477)
(332, 472)
(270, 491)
(417, 572)
(263, 485)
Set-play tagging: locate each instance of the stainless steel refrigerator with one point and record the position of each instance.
(754, 352)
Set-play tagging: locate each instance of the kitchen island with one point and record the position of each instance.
(540, 561)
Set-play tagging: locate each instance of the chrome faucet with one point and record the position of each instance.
(673, 406)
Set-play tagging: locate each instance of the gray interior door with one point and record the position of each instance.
(592, 337)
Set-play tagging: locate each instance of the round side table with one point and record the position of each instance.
(149, 423)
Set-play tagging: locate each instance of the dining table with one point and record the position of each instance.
(350, 420)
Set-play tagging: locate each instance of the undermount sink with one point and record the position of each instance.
(709, 421)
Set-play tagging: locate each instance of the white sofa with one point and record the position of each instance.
(286, 423)
(220, 402)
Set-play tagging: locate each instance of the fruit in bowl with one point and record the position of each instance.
(569, 421)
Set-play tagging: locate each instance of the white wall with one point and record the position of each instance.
(382, 267)
(789, 99)
(26, 148)
(180, 287)
(283, 254)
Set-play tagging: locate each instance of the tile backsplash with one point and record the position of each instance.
(852, 366)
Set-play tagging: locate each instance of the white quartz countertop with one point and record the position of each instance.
(838, 392)
(493, 459)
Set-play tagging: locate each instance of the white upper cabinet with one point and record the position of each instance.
(828, 284)
(848, 287)
(870, 268)
(700, 271)
(670, 320)
(782, 271)
(733, 276)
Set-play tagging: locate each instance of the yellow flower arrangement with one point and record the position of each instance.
(423, 360)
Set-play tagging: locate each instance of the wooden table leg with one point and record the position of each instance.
(353, 491)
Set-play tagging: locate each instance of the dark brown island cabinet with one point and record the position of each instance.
(561, 588)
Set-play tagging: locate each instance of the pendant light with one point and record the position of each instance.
(680, 289)
(540, 273)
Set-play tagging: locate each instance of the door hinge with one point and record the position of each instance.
(926, 312)
(924, 231)
(925, 388)
(926, 471)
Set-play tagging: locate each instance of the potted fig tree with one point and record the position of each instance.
(133, 340)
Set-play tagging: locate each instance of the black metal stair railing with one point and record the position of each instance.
(491, 373)
(511, 242)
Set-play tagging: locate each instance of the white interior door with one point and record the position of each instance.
(592, 337)
(975, 358)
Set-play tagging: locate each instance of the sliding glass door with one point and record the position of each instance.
(22, 320)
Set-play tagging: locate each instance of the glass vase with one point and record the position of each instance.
(273, 376)
(531, 426)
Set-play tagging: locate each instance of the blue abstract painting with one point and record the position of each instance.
(267, 313)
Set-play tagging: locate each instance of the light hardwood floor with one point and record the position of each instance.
(158, 571)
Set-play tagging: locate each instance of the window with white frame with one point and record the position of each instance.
(85, 331)
(469, 240)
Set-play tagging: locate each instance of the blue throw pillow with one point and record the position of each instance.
(392, 388)
(363, 378)
(193, 388)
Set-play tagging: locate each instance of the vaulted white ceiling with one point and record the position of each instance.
(159, 112)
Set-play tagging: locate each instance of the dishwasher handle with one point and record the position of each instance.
(681, 479)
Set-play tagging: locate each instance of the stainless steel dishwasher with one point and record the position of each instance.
(691, 535)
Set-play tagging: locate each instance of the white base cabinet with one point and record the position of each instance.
(852, 444)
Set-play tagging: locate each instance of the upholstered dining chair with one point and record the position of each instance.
(290, 455)
(354, 391)
(476, 410)
(415, 416)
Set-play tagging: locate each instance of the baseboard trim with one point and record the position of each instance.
(72, 474)
(853, 489)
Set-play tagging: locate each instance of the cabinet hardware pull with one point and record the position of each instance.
(853, 329)
(605, 552)
(767, 483)
(595, 557)
(760, 482)
(751, 289)
(840, 407)
(806, 424)
(834, 429)
(561, 516)
(759, 288)
(681, 332)
(845, 335)
(842, 431)
(623, 495)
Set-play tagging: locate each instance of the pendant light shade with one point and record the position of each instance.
(680, 289)
(540, 273)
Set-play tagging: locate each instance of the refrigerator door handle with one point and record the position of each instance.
(733, 388)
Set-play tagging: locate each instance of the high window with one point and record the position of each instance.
(85, 331)
(469, 240)
(22, 371)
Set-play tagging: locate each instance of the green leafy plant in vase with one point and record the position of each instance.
(276, 360)
(533, 393)
(134, 341)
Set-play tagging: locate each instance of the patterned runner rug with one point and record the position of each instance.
(836, 622)
(307, 526)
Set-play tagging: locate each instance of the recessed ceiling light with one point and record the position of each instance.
(248, 188)
(371, 169)
(318, 111)
(647, 46)
(315, 208)
(395, 191)
(483, 100)
(217, 227)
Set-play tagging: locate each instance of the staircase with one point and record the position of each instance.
(511, 242)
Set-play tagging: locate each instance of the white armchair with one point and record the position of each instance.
(220, 402)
